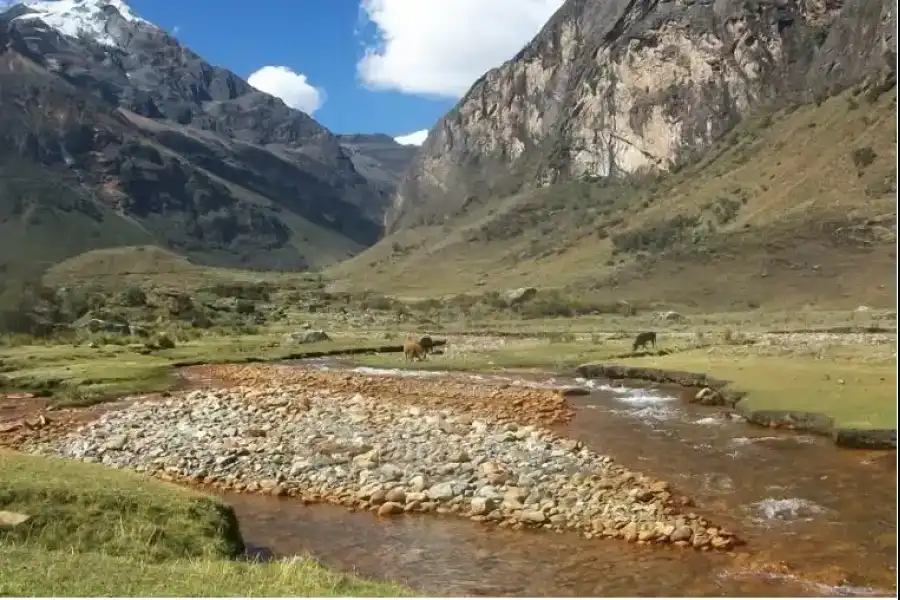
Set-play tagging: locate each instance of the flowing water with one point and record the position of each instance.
(817, 520)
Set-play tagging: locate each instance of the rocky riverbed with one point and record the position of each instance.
(364, 451)
(494, 401)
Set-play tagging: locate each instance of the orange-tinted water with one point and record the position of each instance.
(830, 527)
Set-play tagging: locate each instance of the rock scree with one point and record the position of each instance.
(362, 449)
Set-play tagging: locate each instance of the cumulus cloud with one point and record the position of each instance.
(416, 138)
(440, 47)
(290, 86)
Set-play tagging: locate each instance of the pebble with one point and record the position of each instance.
(394, 461)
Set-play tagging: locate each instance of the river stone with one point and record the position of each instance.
(722, 543)
(441, 491)
(391, 472)
(517, 494)
(482, 506)
(488, 491)
(397, 495)
(417, 483)
(630, 532)
(533, 516)
(699, 540)
(682, 533)
(116, 442)
(390, 508)
(511, 504)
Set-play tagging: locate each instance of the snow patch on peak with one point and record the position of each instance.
(416, 138)
(76, 18)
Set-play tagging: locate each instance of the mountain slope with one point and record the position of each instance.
(710, 155)
(381, 160)
(789, 210)
(615, 87)
(158, 146)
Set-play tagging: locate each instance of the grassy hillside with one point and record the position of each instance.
(116, 268)
(77, 173)
(792, 209)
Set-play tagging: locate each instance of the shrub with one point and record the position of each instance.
(863, 157)
(654, 237)
(133, 296)
(245, 307)
(164, 342)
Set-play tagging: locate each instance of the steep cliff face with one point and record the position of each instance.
(611, 87)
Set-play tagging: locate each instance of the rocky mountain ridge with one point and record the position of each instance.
(615, 87)
(174, 150)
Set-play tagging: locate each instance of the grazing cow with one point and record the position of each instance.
(643, 340)
(427, 345)
(412, 350)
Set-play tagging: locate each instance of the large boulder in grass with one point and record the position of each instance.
(518, 296)
(306, 337)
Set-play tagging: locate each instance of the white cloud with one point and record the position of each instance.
(440, 47)
(176, 30)
(416, 138)
(290, 86)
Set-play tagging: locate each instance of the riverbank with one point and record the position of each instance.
(76, 529)
(82, 375)
(841, 385)
(470, 449)
(848, 398)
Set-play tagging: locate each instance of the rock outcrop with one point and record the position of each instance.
(616, 87)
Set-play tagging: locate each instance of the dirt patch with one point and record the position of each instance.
(27, 419)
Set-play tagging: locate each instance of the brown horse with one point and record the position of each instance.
(413, 350)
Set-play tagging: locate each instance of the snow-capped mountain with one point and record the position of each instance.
(118, 103)
(100, 20)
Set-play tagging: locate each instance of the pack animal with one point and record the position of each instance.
(427, 344)
(643, 340)
(413, 350)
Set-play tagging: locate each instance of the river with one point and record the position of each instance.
(818, 520)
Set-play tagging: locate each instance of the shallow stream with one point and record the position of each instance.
(818, 520)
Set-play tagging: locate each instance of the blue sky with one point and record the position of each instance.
(357, 66)
(317, 38)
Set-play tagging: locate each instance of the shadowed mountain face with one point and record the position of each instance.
(145, 142)
(615, 87)
(381, 160)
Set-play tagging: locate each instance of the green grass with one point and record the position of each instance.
(703, 322)
(542, 355)
(80, 375)
(865, 400)
(776, 378)
(117, 268)
(64, 574)
(95, 531)
(798, 236)
(81, 507)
